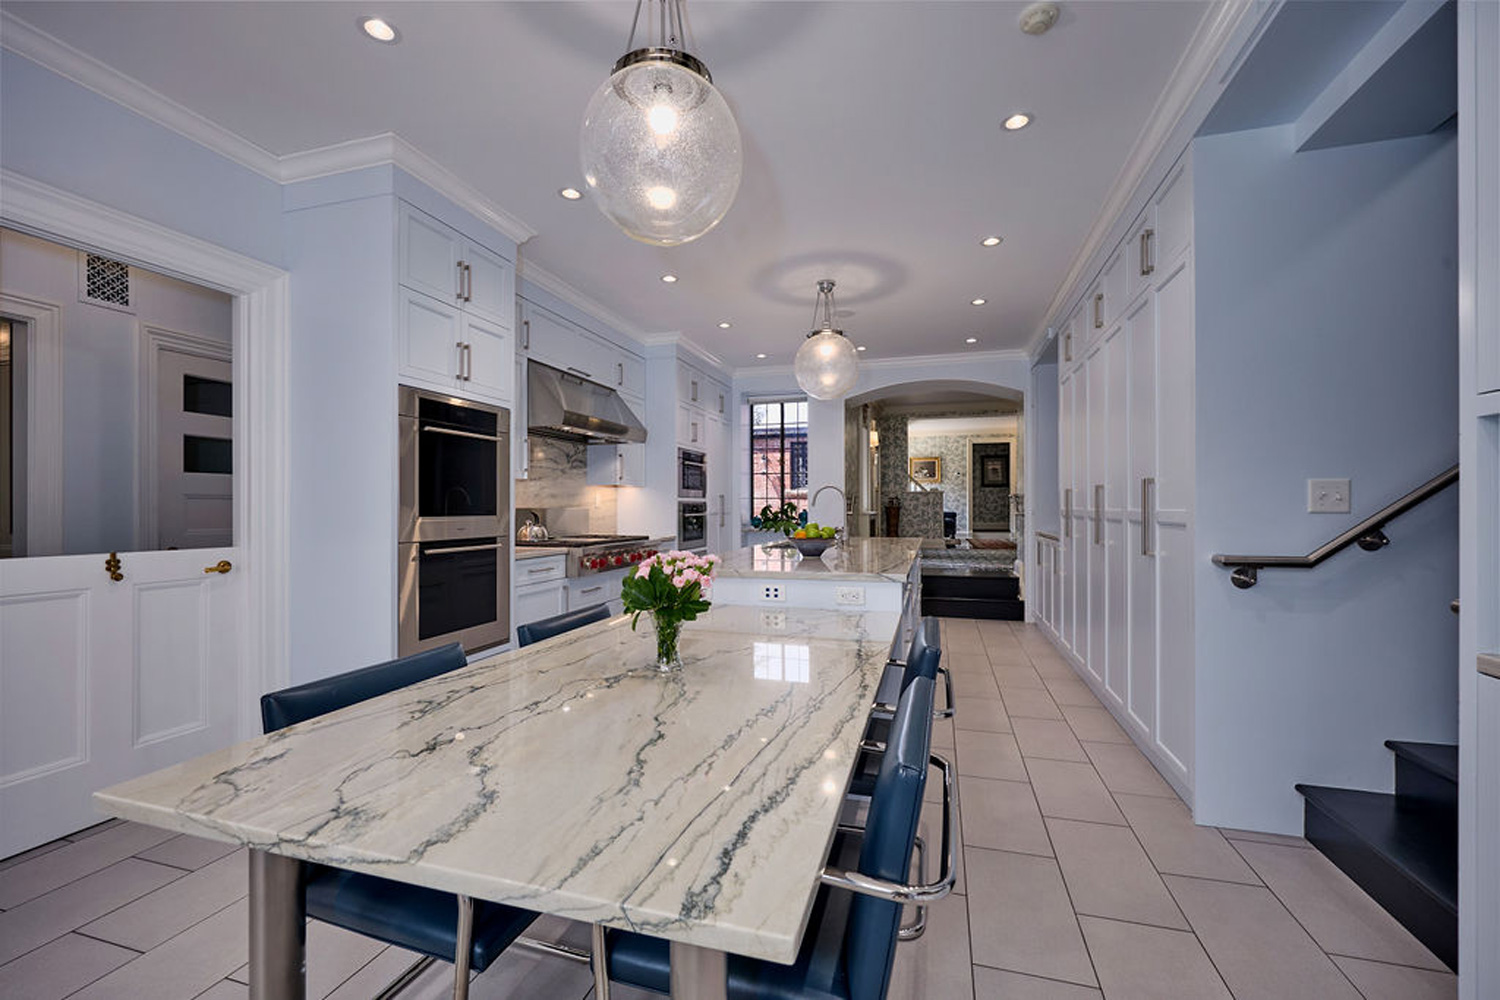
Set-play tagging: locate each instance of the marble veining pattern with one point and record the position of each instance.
(868, 559)
(572, 778)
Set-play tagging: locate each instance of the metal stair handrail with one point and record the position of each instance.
(1366, 534)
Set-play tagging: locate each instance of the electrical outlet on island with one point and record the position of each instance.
(849, 596)
(772, 592)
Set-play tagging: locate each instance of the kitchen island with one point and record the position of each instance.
(570, 778)
(862, 574)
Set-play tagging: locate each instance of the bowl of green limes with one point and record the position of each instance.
(814, 539)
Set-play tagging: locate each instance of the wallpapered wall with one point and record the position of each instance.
(892, 429)
(953, 449)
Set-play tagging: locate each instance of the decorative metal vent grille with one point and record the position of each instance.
(107, 281)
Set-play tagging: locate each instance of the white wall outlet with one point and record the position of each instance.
(853, 596)
(773, 620)
(1328, 496)
(772, 592)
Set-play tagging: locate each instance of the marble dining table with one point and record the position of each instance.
(569, 778)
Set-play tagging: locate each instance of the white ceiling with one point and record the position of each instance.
(873, 152)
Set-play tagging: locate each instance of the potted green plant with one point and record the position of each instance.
(784, 519)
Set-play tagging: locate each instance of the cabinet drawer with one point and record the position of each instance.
(542, 569)
(536, 603)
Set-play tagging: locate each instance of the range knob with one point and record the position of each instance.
(635, 557)
(596, 563)
(619, 560)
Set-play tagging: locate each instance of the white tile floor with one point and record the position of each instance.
(1082, 875)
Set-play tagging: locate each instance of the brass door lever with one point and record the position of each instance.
(222, 566)
(112, 567)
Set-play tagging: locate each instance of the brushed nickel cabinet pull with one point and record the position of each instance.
(620, 365)
(526, 334)
(1098, 513)
(1068, 512)
(1098, 310)
(459, 295)
(695, 394)
(1068, 345)
(1148, 252)
(1147, 485)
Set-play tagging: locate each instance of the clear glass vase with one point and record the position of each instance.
(668, 633)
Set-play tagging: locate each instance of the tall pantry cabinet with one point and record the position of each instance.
(1125, 439)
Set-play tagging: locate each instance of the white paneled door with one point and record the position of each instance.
(102, 679)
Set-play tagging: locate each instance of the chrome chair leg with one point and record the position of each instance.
(600, 962)
(915, 929)
(464, 947)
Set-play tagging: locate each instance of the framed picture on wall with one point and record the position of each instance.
(994, 470)
(926, 470)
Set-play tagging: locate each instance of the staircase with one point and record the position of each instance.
(973, 594)
(1402, 849)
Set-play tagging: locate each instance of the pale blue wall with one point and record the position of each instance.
(57, 132)
(1326, 347)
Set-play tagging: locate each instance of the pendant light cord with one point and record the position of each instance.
(670, 22)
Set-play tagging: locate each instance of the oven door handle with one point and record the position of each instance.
(461, 548)
(429, 429)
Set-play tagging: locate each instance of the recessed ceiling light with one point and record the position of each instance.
(861, 347)
(725, 325)
(761, 356)
(572, 194)
(971, 340)
(380, 30)
(669, 278)
(1019, 120)
(976, 302)
(990, 241)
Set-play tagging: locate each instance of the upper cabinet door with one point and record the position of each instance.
(430, 340)
(489, 285)
(630, 374)
(430, 255)
(488, 365)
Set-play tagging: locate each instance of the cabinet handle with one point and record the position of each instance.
(619, 468)
(544, 569)
(1146, 486)
(695, 432)
(620, 365)
(526, 334)
(592, 590)
(1068, 512)
(1148, 252)
(721, 510)
(459, 295)
(1098, 513)
(1068, 345)
(695, 393)
(468, 362)
(525, 456)
(1098, 310)
(460, 346)
(721, 402)
(580, 371)
(468, 282)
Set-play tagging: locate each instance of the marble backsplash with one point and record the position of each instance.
(558, 488)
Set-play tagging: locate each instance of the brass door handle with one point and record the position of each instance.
(222, 566)
(112, 567)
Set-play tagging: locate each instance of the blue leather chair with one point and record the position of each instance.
(558, 624)
(923, 659)
(437, 924)
(849, 945)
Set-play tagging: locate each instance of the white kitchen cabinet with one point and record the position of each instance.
(430, 343)
(597, 588)
(689, 385)
(1125, 467)
(723, 526)
(553, 340)
(617, 465)
(540, 589)
(690, 426)
(456, 307)
(439, 261)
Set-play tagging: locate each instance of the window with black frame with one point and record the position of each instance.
(778, 452)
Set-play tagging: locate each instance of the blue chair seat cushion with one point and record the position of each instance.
(424, 920)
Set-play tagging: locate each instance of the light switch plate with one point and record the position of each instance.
(1328, 496)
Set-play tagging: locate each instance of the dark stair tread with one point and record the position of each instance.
(1439, 758)
(1422, 844)
(993, 608)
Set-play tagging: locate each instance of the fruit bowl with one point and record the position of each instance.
(811, 546)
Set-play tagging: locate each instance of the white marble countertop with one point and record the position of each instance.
(572, 778)
(862, 559)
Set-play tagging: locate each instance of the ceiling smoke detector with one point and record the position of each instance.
(1038, 18)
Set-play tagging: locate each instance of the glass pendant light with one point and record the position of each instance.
(659, 147)
(826, 365)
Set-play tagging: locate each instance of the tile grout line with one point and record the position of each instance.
(80, 878)
(164, 944)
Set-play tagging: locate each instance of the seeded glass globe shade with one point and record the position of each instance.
(660, 149)
(826, 366)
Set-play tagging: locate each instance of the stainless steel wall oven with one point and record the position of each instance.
(692, 473)
(692, 525)
(453, 542)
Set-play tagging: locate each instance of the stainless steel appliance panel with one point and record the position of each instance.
(454, 592)
(692, 525)
(454, 467)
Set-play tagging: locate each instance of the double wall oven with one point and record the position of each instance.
(453, 542)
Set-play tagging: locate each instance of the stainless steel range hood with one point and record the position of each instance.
(564, 405)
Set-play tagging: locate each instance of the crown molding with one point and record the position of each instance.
(106, 81)
(390, 148)
(376, 150)
(680, 340)
(1226, 24)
